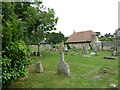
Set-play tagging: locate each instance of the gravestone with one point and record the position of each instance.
(118, 39)
(39, 67)
(66, 49)
(112, 85)
(63, 67)
(114, 53)
(95, 47)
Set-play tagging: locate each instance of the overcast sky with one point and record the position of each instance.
(80, 15)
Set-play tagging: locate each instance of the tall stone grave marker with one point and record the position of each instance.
(118, 41)
(66, 48)
(63, 67)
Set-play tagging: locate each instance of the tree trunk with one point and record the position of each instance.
(38, 54)
(90, 46)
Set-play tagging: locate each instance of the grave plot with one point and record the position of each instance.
(103, 75)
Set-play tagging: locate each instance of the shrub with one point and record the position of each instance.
(15, 60)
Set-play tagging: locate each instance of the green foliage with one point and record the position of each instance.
(23, 23)
(38, 22)
(11, 26)
(98, 33)
(55, 37)
(107, 37)
(15, 59)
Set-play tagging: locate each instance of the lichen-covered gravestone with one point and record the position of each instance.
(63, 67)
(39, 67)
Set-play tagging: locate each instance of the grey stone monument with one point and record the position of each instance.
(39, 67)
(118, 39)
(114, 53)
(95, 47)
(66, 49)
(63, 67)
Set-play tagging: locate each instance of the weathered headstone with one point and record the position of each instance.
(118, 39)
(66, 49)
(114, 53)
(39, 67)
(112, 85)
(63, 67)
(95, 49)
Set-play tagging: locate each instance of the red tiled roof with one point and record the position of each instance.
(77, 37)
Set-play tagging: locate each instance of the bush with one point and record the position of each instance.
(15, 60)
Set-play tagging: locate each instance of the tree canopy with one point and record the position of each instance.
(107, 37)
(54, 37)
(23, 24)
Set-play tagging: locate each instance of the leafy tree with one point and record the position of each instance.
(107, 37)
(66, 38)
(22, 24)
(39, 23)
(14, 50)
(55, 37)
(98, 34)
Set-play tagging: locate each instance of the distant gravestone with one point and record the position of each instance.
(112, 85)
(66, 49)
(118, 39)
(95, 48)
(39, 67)
(63, 67)
(114, 53)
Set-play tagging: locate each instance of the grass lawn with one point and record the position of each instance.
(83, 71)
